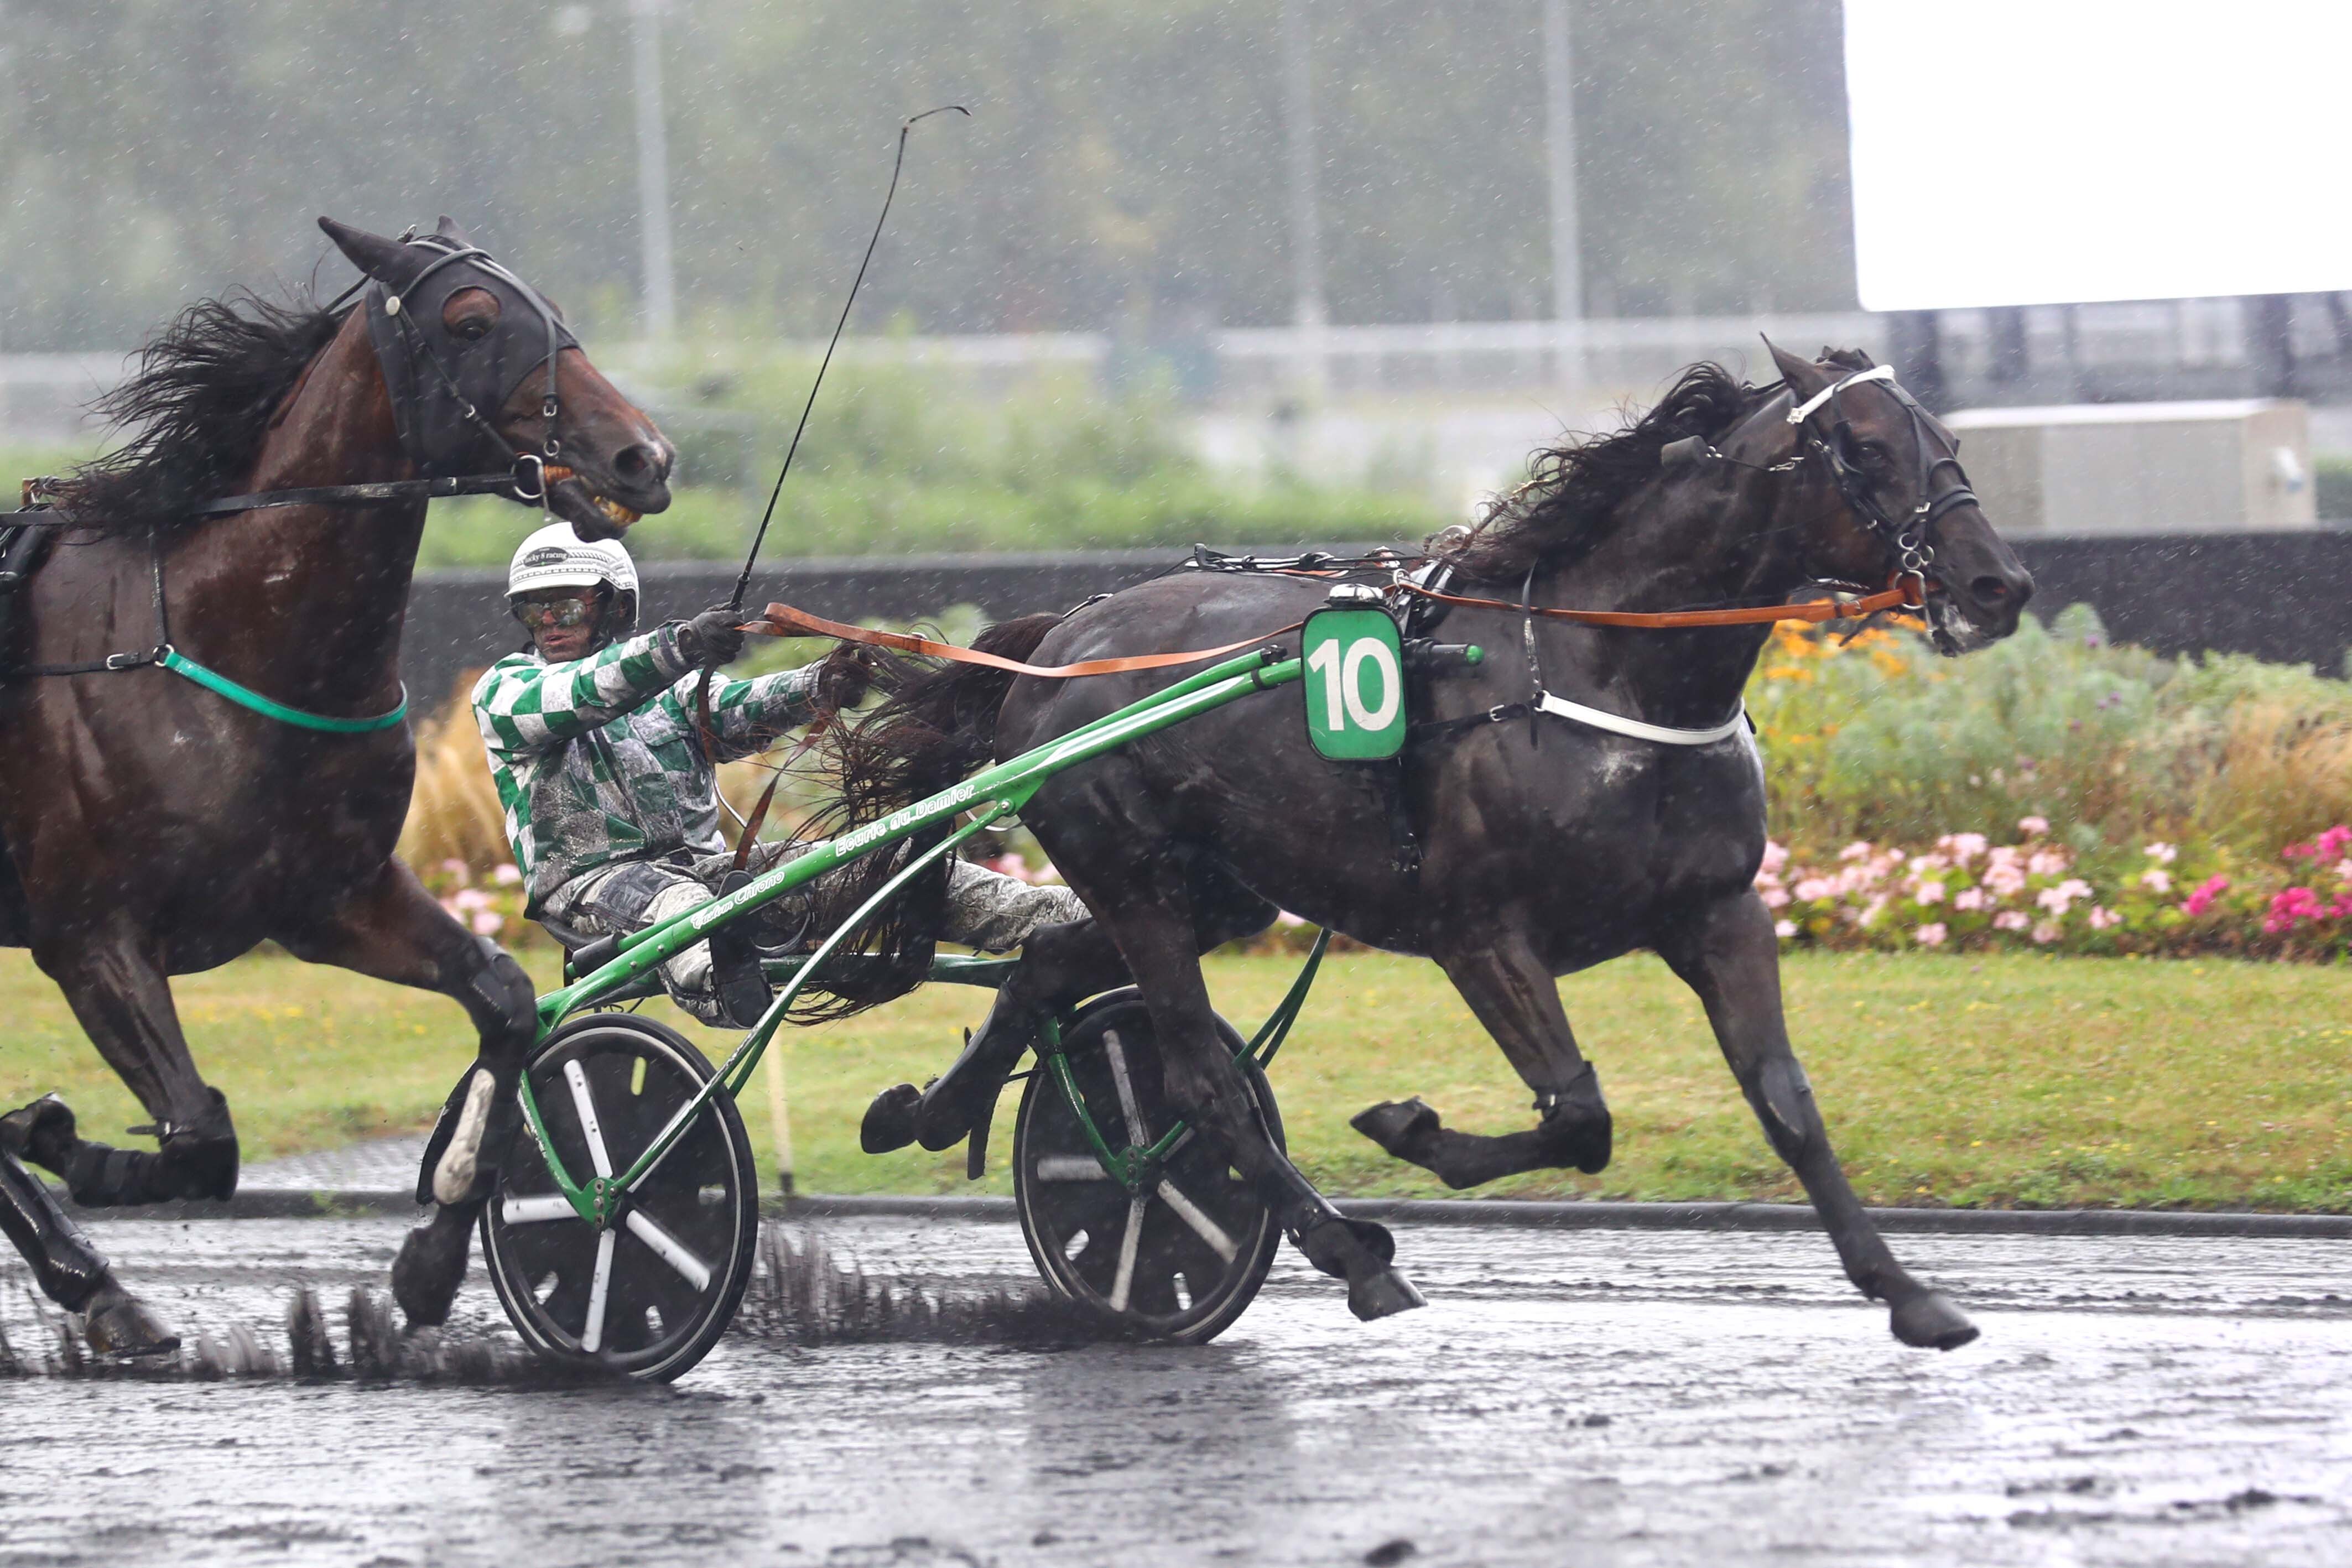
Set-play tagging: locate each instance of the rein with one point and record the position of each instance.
(783, 621)
(1906, 592)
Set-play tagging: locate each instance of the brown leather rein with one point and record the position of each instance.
(1907, 592)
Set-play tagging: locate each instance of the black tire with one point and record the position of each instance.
(704, 1197)
(1181, 1286)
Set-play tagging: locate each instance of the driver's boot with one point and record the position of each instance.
(942, 1114)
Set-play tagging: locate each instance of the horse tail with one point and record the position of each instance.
(936, 727)
(937, 724)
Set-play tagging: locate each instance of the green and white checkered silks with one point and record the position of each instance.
(596, 760)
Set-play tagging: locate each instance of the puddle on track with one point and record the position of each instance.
(1602, 1398)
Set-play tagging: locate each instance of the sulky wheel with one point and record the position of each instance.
(650, 1296)
(1179, 1260)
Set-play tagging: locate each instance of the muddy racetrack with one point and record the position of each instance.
(1599, 1397)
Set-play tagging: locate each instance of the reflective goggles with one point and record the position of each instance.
(564, 614)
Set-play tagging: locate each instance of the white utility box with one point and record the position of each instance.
(2231, 467)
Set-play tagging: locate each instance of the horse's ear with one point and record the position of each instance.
(449, 231)
(1804, 377)
(385, 260)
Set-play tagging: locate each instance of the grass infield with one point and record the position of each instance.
(1997, 1080)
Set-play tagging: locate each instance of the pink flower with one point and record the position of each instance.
(487, 921)
(1858, 849)
(1813, 888)
(1871, 911)
(2046, 862)
(1775, 897)
(1775, 857)
(471, 899)
(2004, 879)
(2291, 907)
(1964, 847)
(2156, 878)
(454, 867)
(2103, 918)
(2046, 933)
(1929, 936)
(2033, 827)
(1784, 929)
(1922, 864)
(1968, 898)
(2010, 920)
(2201, 900)
(2004, 854)
(507, 877)
(2163, 855)
(1930, 892)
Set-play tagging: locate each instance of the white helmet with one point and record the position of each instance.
(555, 557)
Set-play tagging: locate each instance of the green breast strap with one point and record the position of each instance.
(245, 696)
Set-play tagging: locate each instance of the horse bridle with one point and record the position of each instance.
(1906, 535)
(402, 326)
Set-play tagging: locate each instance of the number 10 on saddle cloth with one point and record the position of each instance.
(1355, 684)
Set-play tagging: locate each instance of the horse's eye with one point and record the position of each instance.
(473, 329)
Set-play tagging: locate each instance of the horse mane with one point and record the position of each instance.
(1576, 492)
(196, 409)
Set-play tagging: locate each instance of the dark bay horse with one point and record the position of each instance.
(153, 827)
(1550, 844)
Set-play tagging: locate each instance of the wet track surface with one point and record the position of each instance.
(1591, 1396)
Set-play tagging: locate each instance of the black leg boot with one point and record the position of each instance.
(71, 1272)
(943, 1112)
(198, 1159)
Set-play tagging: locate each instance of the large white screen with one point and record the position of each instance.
(2049, 151)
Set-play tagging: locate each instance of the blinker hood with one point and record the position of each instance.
(445, 389)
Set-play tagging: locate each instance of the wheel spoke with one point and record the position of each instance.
(1071, 1167)
(668, 1249)
(1124, 1281)
(589, 1127)
(537, 1211)
(1207, 1229)
(592, 1336)
(1136, 1136)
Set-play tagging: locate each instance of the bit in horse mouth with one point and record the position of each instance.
(615, 513)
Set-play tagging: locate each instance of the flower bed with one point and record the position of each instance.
(1966, 893)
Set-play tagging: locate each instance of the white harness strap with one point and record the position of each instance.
(1806, 410)
(1637, 729)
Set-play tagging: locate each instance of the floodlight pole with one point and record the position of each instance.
(660, 300)
(1559, 148)
(1309, 314)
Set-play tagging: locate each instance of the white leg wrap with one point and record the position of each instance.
(453, 1179)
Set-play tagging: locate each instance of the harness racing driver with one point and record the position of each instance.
(611, 796)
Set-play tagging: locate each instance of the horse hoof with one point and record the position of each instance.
(1397, 1126)
(1382, 1295)
(117, 1324)
(1928, 1322)
(430, 1268)
(890, 1120)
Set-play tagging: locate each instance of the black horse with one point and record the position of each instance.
(1547, 843)
(154, 828)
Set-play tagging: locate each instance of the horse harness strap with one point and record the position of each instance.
(166, 656)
